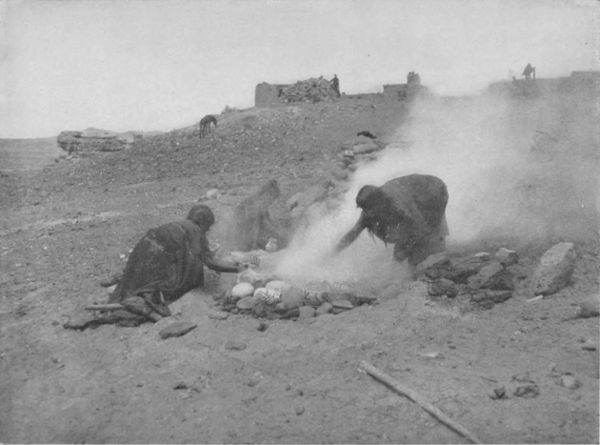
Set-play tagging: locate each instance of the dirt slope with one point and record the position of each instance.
(64, 229)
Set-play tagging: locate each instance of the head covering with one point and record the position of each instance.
(202, 216)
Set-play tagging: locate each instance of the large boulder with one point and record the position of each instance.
(555, 269)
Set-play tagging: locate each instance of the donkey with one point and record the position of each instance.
(207, 124)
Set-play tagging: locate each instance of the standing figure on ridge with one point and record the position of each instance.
(529, 71)
(335, 84)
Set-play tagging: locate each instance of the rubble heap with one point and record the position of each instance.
(310, 90)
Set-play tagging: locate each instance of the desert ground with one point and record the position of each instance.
(69, 225)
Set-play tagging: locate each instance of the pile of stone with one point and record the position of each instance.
(486, 279)
(310, 90)
(263, 295)
(489, 280)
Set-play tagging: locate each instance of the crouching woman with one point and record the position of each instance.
(168, 262)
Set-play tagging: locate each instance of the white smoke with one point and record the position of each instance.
(518, 170)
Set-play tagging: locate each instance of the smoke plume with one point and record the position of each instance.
(520, 169)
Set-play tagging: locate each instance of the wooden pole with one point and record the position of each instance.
(415, 397)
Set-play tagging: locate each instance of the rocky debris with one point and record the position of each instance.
(555, 269)
(310, 90)
(569, 381)
(246, 303)
(177, 329)
(507, 257)
(589, 345)
(434, 266)
(529, 391)
(442, 286)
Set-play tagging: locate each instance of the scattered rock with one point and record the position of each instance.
(255, 379)
(242, 290)
(569, 381)
(434, 266)
(367, 147)
(498, 393)
(235, 346)
(464, 267)
(180, 385)
(527, 391)
(555, 269)
(299, 410)
(482, 256)
(434, 354)
(507, 257)
(442, 286)
(325, 308)
(306, 312)
(177, 329)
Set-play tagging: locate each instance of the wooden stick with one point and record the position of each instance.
(415, 397)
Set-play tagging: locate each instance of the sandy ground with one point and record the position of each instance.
(64, 229)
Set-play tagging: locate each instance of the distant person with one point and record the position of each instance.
(529, 71)
(335, 84)
(408, 212)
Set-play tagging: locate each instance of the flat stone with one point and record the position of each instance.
(325, 308)
(589, 308)
(486, 276)
(507, 257)
(177, 329)
(555, 269)
(434, 266)
(306, 312)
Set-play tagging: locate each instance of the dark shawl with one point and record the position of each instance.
(169, 259)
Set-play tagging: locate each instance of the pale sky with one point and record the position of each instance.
(159, 65)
